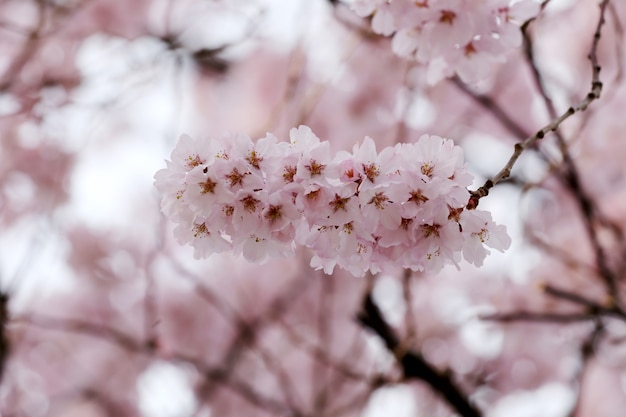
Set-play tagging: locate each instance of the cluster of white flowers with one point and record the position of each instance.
(364, 210)
(466, 37)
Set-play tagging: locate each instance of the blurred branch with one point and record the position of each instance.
(107, 405)
(221, 374)
(207, 294)
(246, 338)
(409, 316)
(520, 147)
(284, 378)
(619, 41)
(413, 364)
(104, 402)
(292, 83)
(587, 351)
(33, 38)
(532, 316)
(618, 62)
(71, 325)
(323, 357)
(4, 340)
(209, 59)
(493, 109)
(150, 306)
(593, 307)
(354, 405)
(570, 260)
(321, 377)
(571, 176)
(314, 94)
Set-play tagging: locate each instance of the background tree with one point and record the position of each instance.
(103, 313)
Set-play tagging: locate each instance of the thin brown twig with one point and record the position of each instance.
(572, 174)
(520, 147)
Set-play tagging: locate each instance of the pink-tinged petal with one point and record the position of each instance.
(362, 211)
(383, 21)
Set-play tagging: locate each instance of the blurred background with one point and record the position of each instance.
(106, 315)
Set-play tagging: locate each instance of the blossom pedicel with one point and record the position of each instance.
(363, 210)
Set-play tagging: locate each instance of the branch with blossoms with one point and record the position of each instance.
(362, 211)
(366, 209)
(239, 197)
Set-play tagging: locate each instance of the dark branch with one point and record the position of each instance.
(413, 364)
(593, 307)
(538, 317)
(4, 339)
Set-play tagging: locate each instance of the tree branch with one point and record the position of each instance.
(520, 147)
(594, 308)
(413, 364)
(538, 317)
(4, 339)
(571, 177)
(493, 109)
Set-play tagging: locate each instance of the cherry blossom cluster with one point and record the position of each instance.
(464, 37)
(359, 210)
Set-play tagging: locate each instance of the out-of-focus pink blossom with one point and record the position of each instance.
(440, 33)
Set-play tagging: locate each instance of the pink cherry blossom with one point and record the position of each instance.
(109, 308)
(362, 211)
(466, 38)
